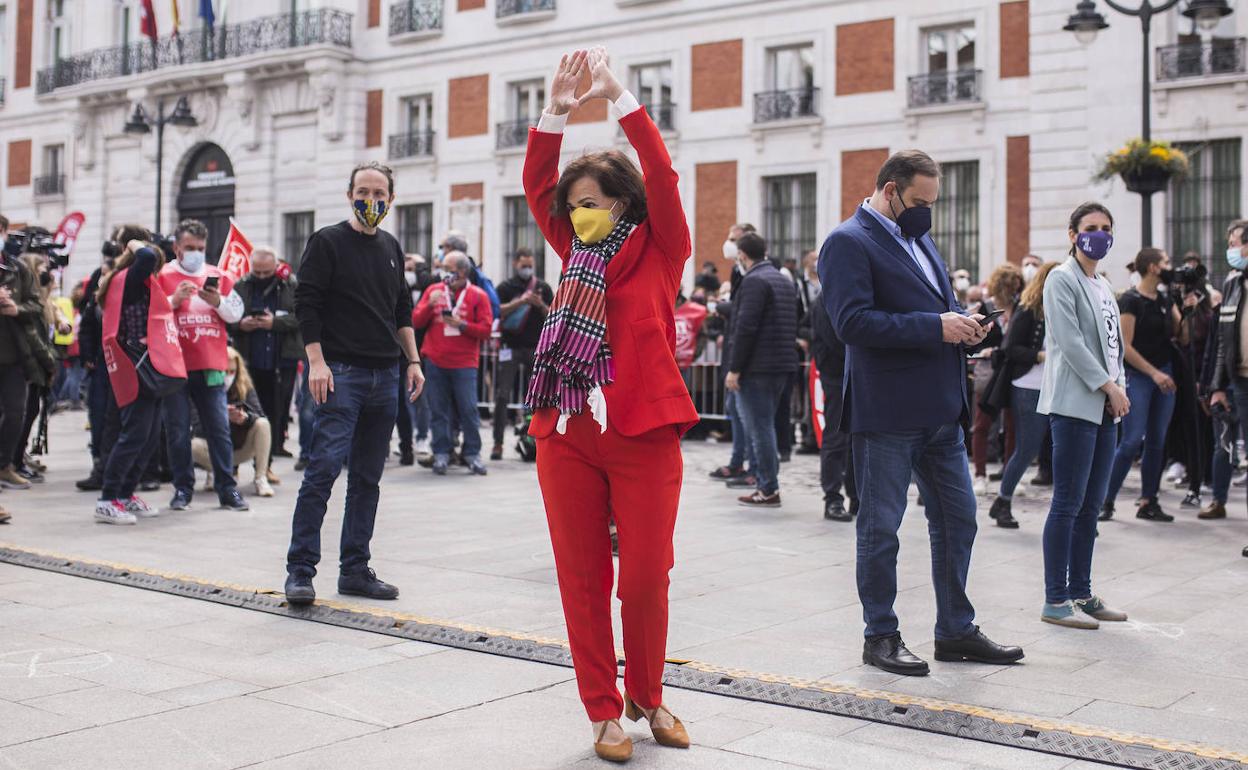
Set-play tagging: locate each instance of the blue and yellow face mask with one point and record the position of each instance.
(370, 212)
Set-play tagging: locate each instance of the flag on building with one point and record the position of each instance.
(177, 19)
(206, 13)
(147, 20)
(236, 253)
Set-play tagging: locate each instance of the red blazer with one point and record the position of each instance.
(642, 282)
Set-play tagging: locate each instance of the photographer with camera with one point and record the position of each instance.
(1228, 382)
(1190, 444)
(39, 259)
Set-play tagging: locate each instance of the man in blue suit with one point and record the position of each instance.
(889, 297)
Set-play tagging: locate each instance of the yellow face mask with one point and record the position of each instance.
(592, 225)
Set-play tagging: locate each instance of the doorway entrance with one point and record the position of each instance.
(207, 194)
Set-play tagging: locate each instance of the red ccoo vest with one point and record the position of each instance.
(203, 333)
(162, 340)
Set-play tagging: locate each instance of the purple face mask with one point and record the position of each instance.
(1095, 244)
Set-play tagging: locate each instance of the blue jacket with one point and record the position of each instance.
(899, 373)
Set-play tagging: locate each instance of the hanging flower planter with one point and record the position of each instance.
(1146, 181)
(1145, 167)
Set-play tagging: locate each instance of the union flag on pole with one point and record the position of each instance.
(236, 253)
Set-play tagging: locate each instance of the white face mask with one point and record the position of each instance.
(192, 261)
(410, 277)
(961, 284)
(229, 381)
(730, 249)
(711, 306)
(1029, 272)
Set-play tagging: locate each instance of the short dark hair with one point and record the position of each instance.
(191, 227)
(902, 167)
(521, 253)
(1238, 224)
(372, 165)
(753, 246)
(1147, 258)
(615, 174)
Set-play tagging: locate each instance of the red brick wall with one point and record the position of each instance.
(858, 170)
(374, 13)
(716, 75)
(471, 5)
(1015, 39)
(592, 112)
(468, 191)
(469, 99)
(19, 163)
(864, 57)
(25, 35)
(1017, 197)
(372, 120)
(715, 210)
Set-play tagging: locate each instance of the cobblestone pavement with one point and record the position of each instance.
(767, 591)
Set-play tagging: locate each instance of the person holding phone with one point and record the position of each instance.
(1083, 390)
(204, 302)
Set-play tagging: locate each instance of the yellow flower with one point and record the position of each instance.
(1160, 152)
(1123, 151)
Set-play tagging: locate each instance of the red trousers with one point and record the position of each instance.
(586, 478)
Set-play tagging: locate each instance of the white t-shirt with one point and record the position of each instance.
(1034, 376)
(1109, 325)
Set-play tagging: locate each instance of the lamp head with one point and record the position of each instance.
(182, 115)
(138, 123)
(1207, 13)
(1085, 22)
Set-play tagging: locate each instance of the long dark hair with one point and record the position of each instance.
(122, 236)
(1090, 207)
(615, 174)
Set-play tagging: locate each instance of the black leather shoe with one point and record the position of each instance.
(149, 485)
(836, 512)
(406, 456)
(889, 653)
(1151, 511)
(299, 590)
(92, 483)
(282, 452)
(1002, 511)
(367, 585)
(977, 648)
(1107, 513)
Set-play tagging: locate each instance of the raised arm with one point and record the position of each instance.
(541, 160)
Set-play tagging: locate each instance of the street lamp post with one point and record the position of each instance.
(1085, 22)
(139, 123)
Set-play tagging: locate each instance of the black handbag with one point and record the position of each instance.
(153, 383)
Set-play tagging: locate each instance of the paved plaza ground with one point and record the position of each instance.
(99, 675)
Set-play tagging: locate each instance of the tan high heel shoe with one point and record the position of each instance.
(676, 737)
(613, 752)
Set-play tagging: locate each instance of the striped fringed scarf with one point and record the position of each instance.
(573, 356)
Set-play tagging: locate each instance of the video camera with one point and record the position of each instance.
(36, 240)
(1189, 278)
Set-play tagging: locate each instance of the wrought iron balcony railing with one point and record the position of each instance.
(513, 133)
(770, 106)
(408, 16)
(949, 87)
(3, 84)
(1220, 56)
(504, 9)
(414, 144)
(269, 33)
(53, 184)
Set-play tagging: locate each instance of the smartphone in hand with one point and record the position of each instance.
(211, 282)
(988, 318)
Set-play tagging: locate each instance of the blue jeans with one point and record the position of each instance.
(71, 382)
(757, 402)
(210, 404)
(99, 391)
(453, 392)
(742, 449)
(1146, 425)
(1029, 428)
(1083, 453)
(351, 428)
(884, 463)
(1237, 398)
(307, 412)
(138, 440)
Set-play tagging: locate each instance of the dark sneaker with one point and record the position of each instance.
(299, 590)
(1107, 512)
(31, 474)
(725, 472)
(1191, 500)
(440, 464)
(760, 500)
(181, 501)
(367, 585)
(149, 485)
(92, 483)
(1151, 511)
(1001, 511)
(1096, 608)
(786, 457)
(281, 451)
(406, 456)
(234, 501)
(743, 482)
(301, 463)
(836, 512)
(497, 452)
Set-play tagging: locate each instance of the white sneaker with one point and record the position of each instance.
(263, 489)
(423, 447)
(1020, 491)
(141, 508)
(981, 485)
(113, 512)
(1174, 474)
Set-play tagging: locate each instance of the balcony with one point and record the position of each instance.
(788, 104)
(415, 19)
(414, 144)
(513, 133)
(270, 33)
(940, 89)
(1224, 56)
(518, 11)
(50, 186)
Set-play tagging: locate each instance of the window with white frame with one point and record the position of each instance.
(790, 211)
(121, 22)
(791, 67)
(526, 100)
(520, 231)
(58, 46)
(416, 229)
(418, 114)
(297, 228)
(948, 49)
(53, 159)
(1205, 202)
(955, 216)
(652, 85)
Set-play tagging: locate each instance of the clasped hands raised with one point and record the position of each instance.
(569, 74)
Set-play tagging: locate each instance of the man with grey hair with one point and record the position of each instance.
(458, 318)
(455, 241)
(268, 339)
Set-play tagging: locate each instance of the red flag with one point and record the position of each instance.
(147, 19)
(236, 253)
(818, 420)
(67, 232)
(689, 319)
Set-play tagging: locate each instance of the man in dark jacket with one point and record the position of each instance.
(267, 337)
(764, 359)
(1227, 382)
(836, 464)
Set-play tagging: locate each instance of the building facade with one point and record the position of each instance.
(777, 112)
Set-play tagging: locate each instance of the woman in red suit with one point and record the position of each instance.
(609, 402)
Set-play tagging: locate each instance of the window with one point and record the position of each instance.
(416, 137)
(791, 68)
(416, 229)
(121, 33)
(789, 212)
(418, 114)
(520, 229)
(52, 159)
(652, 84)
(949, 49)
(527, 100)
(1203, 204)
(4, 48)
(955, 217)
(58, 31)
(298, 227)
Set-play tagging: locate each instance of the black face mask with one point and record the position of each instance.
(914, 221)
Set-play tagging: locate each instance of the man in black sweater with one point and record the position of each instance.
(764, 357)
(355, 316)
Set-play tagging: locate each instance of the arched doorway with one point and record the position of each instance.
(207, 194)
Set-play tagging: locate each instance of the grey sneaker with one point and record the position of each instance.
(1096, 608)
(1064, 615)
(440, 463)
(477, 467)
